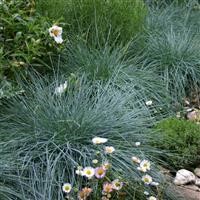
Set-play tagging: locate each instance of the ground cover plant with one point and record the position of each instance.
(181, 138)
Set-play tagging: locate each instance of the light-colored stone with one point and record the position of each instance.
(192, 116)
(183, 177)
(197, 172)
(197, 182)
(189, 192)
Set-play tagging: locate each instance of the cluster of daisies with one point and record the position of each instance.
(109, 187)
(98, 172)
(145, 166)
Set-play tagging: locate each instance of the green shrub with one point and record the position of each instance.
(24, 43)
(98, 21)
(24, 38)
(180, 137)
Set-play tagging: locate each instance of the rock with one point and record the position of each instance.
(183, 177)
(192, 116)
(197, 172)
(189, 192)
(197, 182)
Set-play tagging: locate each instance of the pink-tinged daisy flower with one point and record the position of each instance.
(100, 172)
(84, 193)
(107, 188)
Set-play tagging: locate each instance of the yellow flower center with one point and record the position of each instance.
(55, 32)
(146, 180)
(117, 184)
(88, 172)
(67, 188)
(100, 171)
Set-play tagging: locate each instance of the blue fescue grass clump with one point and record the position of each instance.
(115, 64)
(45, 136)
(171, 48)
(99, 63)
(175, 55)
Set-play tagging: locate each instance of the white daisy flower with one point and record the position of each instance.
(99, 140)
(56, 32)
(137, 144)
(142, 169)
(152, 198)
(109, 150)
(147, 179)
(61, 88)
(117, 185)
(88, 172)
(145, 164)
(149, 103)
(135, 159)
(67, 187)
(58, 39)
(95, 161)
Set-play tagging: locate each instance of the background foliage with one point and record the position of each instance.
(24, 38)
(96, 21)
